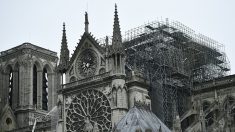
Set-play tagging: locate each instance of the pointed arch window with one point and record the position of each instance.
(16, 80)
(35, 85)
(10, 88)
(45, 89)
(118, 60)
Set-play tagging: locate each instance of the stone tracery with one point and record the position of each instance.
(89, 109)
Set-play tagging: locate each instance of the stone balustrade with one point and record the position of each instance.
(86, 80)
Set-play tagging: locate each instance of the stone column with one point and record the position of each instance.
(57, 85)
(4, 88)
(51, 92)
(60, 104)
(26, 83)
(39, 89)
(15, 94)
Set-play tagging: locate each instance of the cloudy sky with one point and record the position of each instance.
(40, 21)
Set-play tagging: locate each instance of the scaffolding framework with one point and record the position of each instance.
(174, 58)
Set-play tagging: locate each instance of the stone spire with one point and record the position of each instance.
(176, 120)
(64, 53)
(117, 38)
(86, 23)
(202, 119)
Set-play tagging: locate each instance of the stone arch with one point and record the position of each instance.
(209, 118)
(212, 115)
(38, 64)
(119, 87)
(229, 100)
(8, 67)
(72, 79)
(102, 70)
(48, 67)
(48, 86)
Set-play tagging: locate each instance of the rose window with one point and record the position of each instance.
(89, 111)
(86, 64)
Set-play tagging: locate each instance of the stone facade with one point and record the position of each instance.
(213, 107)
(99, 72)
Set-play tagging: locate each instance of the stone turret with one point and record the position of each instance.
(116, 65)
(64, 53)
(202, 119)
(116, 53)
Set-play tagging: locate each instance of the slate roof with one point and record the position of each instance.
(139, 118)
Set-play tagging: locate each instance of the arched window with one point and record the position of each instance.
(210, 119)
(45, 89)
(35, 85)
(10, 88)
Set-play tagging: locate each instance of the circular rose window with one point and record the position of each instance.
(86, 64)
(89, 111)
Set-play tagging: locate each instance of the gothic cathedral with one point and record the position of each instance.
(156, 77)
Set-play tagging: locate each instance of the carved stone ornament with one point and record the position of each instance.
(89, 111)
(107, 90)
(25, 60)
(86, 63)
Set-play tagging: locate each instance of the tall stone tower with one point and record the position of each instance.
(27, 84)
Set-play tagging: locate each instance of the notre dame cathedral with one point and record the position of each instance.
(155, 81)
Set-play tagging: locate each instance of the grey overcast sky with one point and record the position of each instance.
(40, 21)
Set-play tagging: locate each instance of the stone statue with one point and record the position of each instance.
(96, 128)
(88, 126)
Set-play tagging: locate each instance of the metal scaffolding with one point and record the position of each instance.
(174, 58)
